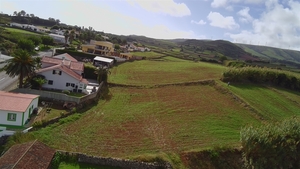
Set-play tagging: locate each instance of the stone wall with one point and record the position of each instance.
(116, 162)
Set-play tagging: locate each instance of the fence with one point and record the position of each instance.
(4, 132)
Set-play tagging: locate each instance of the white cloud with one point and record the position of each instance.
(201, 22)
(218, 20)
(244, 15)
(278, 26)
(166, 6)
(219, 3)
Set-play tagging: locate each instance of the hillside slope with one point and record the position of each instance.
(270, 53)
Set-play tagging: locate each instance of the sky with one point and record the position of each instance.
(273, 23)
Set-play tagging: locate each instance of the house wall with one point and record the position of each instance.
(4, 121)
(59, 81)
(30, 108)
(20, 119)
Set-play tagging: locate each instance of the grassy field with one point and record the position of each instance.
(148, 55)
(139, 122)
(21, 31)
(167, 70)
(273, 104)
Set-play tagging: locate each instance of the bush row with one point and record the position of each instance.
(281, 78)
(273, 146)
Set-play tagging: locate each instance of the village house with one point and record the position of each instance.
(103, 48)
(16, 108)
(34, 154)
(63, 72)
(59, 38)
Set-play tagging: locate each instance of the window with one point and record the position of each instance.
(11, 117)
(50, 82)
(72, 84)
(68, 84)
(56, 72)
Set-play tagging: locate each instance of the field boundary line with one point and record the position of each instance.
(238, 99)
(191, 83)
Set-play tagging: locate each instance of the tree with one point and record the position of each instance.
(102, 74)
(72, 36)
(117, 47)
(35, 39)
(15, 13)
(57, 21)
(47, 40)
(32, 15)
(22, 65)
(23, 13)
(66, 34)
(39, 81)
(26, 44)
(55, 27)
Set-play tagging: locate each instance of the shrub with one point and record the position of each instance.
(89, 72)
(66, 91)
(273, 146)
(281, 78)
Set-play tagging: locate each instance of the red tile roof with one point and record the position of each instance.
(67, 57)
(33, 155)
(77, 66)
(17, 102)
(66, 70)
(74, 65)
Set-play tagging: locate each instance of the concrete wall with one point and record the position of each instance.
(47, 95)
(116, 162)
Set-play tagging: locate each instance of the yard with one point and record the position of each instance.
(21, 31)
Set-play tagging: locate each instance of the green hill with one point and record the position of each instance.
(270, 53)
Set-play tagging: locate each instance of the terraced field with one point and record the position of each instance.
(162, 113)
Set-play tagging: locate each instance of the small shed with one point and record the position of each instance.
(102, 61)
(32, 154)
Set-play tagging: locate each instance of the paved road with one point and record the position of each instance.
(5, 80)
(7, 83)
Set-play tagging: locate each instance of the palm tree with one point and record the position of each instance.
(71, 36)
(102, 73)
(22, 65)
(66, 34)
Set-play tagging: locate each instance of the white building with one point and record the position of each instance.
(16, 108)
(63, 74)
(102, 61)
(58, 38)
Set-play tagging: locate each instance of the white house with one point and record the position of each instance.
(63, 74)
(13, 24)
(103, 61)
(16, 108)
(58, 38)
